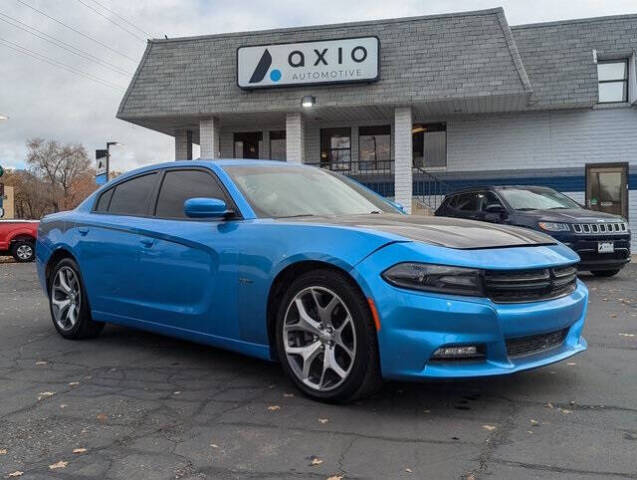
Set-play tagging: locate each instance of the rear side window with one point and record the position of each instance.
(131, 197)
(180, 185)
(104, 201)
(467, 202)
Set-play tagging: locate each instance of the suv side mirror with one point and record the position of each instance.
(495, 208)
(202, 207)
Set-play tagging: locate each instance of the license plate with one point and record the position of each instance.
(605, 247)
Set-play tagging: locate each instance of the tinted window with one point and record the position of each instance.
(467, 202)
(104, 200)
(131, 197)
(180, 185)
(487, 198)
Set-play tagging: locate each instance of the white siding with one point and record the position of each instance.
(542, 139)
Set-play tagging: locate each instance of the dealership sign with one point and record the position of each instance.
(308, 63)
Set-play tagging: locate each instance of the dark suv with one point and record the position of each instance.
(602, 240)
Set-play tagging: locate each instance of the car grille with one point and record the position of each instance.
(529, 285)
(517, 347)
(600, 228)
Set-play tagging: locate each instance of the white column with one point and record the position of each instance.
(264, 153)
(209, 138)
(403, 186)
(183, 144)
(295, 138)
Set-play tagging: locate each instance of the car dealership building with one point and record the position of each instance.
(412, 107)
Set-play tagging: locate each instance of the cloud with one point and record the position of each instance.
(44, 101)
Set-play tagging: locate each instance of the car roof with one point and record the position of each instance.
(494, 187)
(225, 162)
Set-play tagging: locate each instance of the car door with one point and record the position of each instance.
(108, 244)
(187, 267)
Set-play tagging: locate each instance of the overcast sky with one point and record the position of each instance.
(43, 100)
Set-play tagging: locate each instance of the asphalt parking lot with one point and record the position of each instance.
(134, 405)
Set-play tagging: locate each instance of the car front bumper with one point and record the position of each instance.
(415, 324)
(586, 246)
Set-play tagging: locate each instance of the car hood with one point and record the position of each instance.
(573, 215)
(440, 231)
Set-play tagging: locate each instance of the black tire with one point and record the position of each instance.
(605, 273)
(364, 377)
(84, 326)
(23, 251)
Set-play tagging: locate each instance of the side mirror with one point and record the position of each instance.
(205, 208)
(495, 208)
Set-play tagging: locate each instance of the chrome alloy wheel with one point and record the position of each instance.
(319, 338)
(66, 298)
(24, 252)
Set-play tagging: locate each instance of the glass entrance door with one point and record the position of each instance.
(607, 188)
(247, 144)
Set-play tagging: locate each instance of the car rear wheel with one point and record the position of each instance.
(68, 303)
(605, 273)
(326, 339)
(23, 251)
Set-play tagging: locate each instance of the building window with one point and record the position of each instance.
(247, 144)
(430, 145)
(374, 147)
(277, 145)
(336, 148)
(613, 81)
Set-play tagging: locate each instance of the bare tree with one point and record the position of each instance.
(60, 167)
(30, 194)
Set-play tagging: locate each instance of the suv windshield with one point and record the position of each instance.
(536, 199)
(292, 191)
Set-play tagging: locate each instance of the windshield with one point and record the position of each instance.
(536, 199)
(291, 191)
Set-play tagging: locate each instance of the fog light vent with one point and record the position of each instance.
(463, 352)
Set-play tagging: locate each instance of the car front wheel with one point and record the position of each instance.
(326, 339)
(69, 304)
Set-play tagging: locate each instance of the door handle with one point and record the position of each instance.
(83, 230)
(147, 242)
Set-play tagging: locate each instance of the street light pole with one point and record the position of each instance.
(108, 158)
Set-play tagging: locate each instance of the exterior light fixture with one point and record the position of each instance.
(308, 101)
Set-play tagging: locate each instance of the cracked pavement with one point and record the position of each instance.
(150, 407)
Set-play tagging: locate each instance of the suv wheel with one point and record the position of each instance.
(605, 273)
(326, 339)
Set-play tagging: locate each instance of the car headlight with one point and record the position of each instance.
(554, 227)
(435, 278)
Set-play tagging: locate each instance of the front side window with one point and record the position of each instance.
(277, 145)
(131, 197)
(291, 191)
(374, 147)
(336, 148)
(180, 185)
(430, 145)
(613, 81)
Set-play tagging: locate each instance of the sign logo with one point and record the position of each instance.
(101, 166)
(332, 61)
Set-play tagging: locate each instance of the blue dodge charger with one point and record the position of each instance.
(297, 264)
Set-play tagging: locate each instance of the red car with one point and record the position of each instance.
(17, 238)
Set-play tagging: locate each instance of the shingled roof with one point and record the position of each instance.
(431, 60)
(558, 56)
(423, 59)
